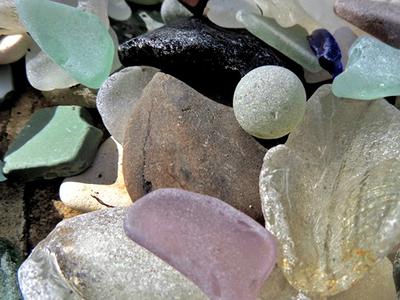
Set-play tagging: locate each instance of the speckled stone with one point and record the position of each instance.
(377, 17)
(173, 10)
(76, 95)
(101, 186)
(226, 253)
(330, 193)
(269, 102)
(178, 138)
(90, 257)
(56, 142)
(118, 95)
(10, 260)
(371, 73)
(209, 58)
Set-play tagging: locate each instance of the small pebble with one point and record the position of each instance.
(379, 18)
(101, 186)
(119, 10)
(269, 102)
(13, 47)
(173, 10)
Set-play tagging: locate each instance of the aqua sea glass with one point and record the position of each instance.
(76, 40)
(372, 71)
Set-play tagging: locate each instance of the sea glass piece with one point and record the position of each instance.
(57, 142)
(371, 73)
(173, 10)
(74, 39)
(223, 12)
(327, 50)
(310, 14)
(96, 7)
(269, 102)
(287, 13)
(226, 253)
(2, 177)
(379, 18)
(290, 41)
(150, 22)
(119, 10)
(43, 73)
(330, 194)
(90, 257)
(117, 96)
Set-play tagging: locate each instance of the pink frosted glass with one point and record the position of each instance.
(225, 252)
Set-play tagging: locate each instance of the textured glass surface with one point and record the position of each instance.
(90, 257)
(331, 194)
(76, 40)
(290, 41)
(372, 71)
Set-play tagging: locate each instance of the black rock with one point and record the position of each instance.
(209, 58)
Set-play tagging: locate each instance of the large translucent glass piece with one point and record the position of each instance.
(330, 194)
(371, 73)
(89, 257)
(87, 55)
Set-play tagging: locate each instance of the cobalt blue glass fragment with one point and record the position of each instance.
(327, 50)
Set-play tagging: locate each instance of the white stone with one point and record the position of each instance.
(172, 10)
(100, 185)
(117, 96)
(119, 10)
(151, 24)
(13, 47)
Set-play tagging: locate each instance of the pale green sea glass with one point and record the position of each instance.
(76, 40)
(290, 41)
(371, 73)
(330, 195)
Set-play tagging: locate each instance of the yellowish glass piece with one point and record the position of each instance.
(330, 195)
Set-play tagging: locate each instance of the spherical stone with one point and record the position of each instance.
(269, 102)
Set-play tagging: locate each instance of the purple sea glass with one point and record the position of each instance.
(225, 252)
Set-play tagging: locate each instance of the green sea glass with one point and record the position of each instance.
(57, 142)
(290, 41)
(76, 40)
(371, 73)
(2, 177)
